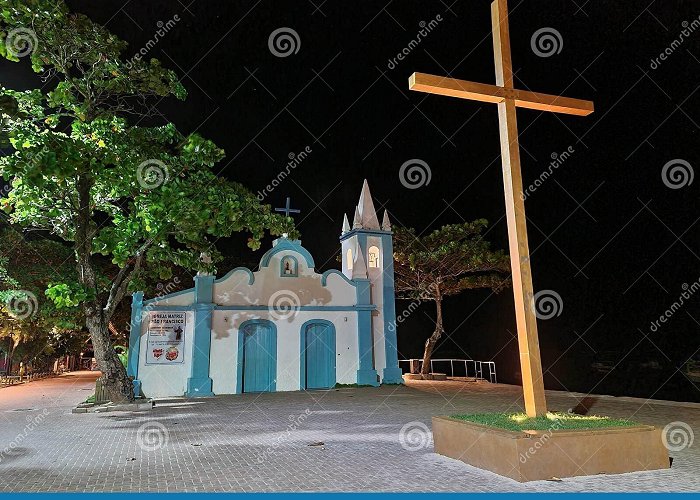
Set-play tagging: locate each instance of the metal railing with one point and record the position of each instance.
(6, 380)
(478, 370)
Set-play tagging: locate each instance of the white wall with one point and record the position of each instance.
(159, 381)
(224, 347)
(267, 289)
(268, 285)
(376, 277)
(181, 299)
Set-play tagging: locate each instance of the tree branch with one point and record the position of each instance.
(121, 282)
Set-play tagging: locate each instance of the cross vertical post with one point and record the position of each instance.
(528, 343)
(508, 98)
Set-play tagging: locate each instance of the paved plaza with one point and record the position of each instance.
(354, 439)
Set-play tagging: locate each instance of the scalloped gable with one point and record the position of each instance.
(306, 287)
(282, 244)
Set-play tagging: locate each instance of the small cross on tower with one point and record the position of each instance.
(287, 209)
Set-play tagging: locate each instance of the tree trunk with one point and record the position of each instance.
(433, 339)
(116, 383)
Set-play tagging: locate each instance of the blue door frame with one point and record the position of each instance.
(317, 358)
(257, 356)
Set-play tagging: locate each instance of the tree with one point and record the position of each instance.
(37, 330)
(145, 197)
(446, 262)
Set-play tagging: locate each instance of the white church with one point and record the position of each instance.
(284, 327)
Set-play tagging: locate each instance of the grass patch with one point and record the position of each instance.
(90, 399)
(552, 421)
(345, 386)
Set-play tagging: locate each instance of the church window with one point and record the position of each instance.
(349, 258)
(288, 266)
(373, 256)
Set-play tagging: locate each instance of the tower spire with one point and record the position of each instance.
(346, 225)
(357, 220)
(359, 268)
(386, 225)
(368, 214)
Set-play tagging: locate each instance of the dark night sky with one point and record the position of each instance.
(606, 233)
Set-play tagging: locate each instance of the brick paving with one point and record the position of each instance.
(261, 442)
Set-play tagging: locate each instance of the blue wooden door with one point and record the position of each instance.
(320, 356)
(259, 358)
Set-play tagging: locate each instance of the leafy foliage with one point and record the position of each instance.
(147, 198)
(37, 328)
(447, 261)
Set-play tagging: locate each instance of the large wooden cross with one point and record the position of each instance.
(507, 97)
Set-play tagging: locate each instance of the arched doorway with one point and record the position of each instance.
(257, 356)
(318, 355)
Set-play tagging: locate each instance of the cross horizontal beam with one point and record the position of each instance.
(494, 94)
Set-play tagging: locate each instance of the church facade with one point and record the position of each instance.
(284, 327)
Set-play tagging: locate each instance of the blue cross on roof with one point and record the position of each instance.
(287, 209)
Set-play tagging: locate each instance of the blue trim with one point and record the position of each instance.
(392, 373)
(239, 357)
(170, 308)
(200, 384)
(366, 374)
(359, 307)
(324, 277)
(364, 293)
(132, 366)
(251, 276)
(354, 232)
(302, 349)
(283, 244)
(295, 270)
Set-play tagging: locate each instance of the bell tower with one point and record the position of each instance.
(368, 260)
